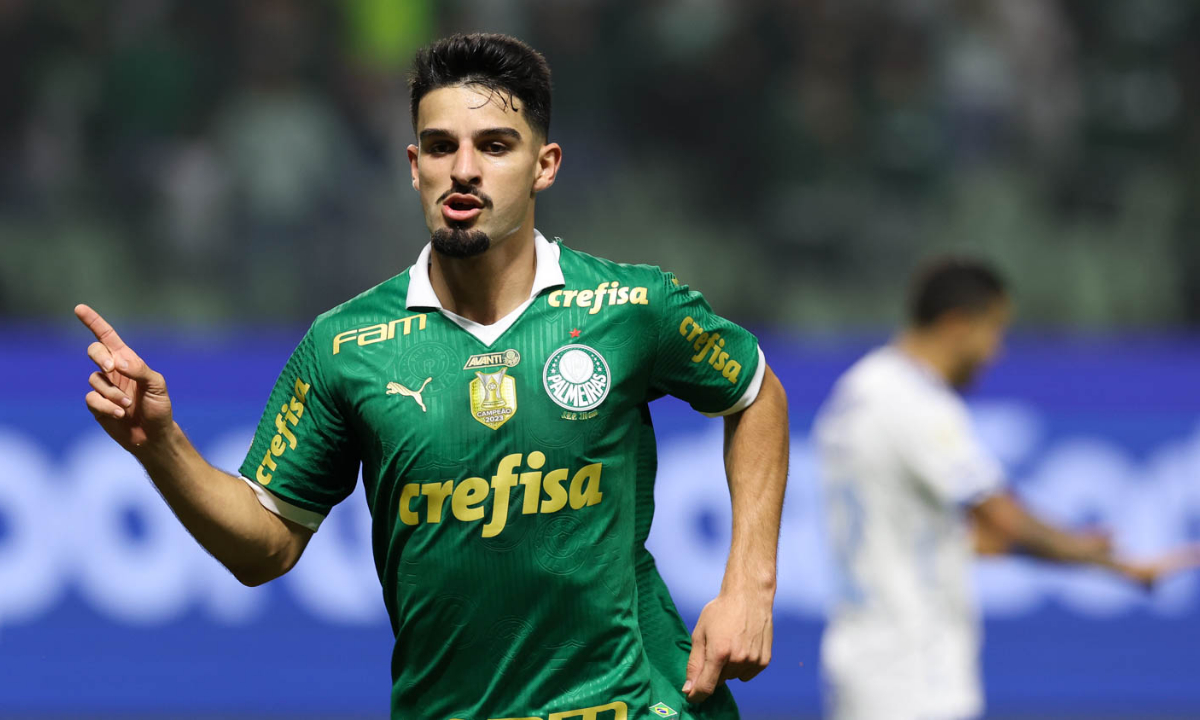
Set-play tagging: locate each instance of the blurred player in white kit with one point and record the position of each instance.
(907, 485)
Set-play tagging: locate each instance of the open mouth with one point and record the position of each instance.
(461, 207)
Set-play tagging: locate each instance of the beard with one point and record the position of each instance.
(460, 242)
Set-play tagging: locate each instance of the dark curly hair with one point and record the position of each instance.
(500, 63)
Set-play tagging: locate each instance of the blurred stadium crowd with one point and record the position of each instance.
(226, 160)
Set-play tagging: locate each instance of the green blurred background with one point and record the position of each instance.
(216, 161)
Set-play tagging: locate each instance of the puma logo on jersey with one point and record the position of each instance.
(395, 388)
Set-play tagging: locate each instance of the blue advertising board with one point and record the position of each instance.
(108, 606)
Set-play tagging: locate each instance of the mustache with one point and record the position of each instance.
(465, 190)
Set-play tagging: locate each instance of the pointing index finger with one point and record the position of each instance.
(99, 327)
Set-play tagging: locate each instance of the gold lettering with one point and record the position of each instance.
(407, 515)
(467, 496)
(341, 338)
(437, 494)
(263, 477)
(552, 483)
(532, 483)
(606, 293)
(696, 330)
(589, 495)
(619, 709)
(599, 303)
(301, 389)
(732, 368)
(716, 353)
(285, 431)
(269, 461)
(297, 409)
(277, 445)
(709, 342)
(407, 321)
(683, 325)
(720, 363)
(377, 333)
(502, 483)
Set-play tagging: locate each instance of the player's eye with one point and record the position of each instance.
(495, 148)
(439, 148)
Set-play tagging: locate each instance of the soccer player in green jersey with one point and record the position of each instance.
(495, 395)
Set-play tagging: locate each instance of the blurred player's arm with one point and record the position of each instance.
(732, 638)
(987, 541)
(1003, 525)
(130, 401)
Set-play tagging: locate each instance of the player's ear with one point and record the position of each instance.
(413, 153)
(549, 158)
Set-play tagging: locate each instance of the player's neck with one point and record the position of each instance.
(487, 287)
(926, 349)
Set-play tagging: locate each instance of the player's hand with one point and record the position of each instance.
(732, 639)
(128, 399)
(1149, 573)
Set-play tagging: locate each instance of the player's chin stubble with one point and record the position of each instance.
(460, 242)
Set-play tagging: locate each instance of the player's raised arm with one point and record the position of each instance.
(130, 401)
(1011, 527)
(733, 635)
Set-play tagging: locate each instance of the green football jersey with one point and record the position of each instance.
(509, 471)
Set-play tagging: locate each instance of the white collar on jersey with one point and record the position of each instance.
(547, 274)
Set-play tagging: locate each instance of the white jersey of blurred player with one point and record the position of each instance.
(901, 465)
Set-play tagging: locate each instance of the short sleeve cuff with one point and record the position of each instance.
(747, 399)
(271, 501)
(988, 484)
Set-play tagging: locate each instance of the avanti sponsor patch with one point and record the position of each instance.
(508, 358)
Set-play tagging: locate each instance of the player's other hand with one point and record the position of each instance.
(128, 399)
(1150, 573)
(732, 639)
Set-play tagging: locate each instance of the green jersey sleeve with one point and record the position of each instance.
(302, 461)
(709, 362)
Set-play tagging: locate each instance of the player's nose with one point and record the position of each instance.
(466, 170)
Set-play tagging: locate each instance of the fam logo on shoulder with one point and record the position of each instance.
(576, 377)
